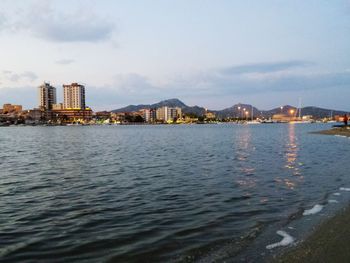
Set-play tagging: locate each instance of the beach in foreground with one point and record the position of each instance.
(331, 240)
(329, 243)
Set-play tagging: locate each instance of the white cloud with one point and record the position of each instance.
(64, 61)
(43, 21)
(11, 76)
(2, 21)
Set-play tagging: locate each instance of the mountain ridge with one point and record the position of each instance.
(237, 110)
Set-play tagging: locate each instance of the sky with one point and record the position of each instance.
(209, 53)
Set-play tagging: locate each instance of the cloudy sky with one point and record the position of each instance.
(209, 53)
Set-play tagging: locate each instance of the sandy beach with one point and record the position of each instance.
(341, 131)
(329, 243)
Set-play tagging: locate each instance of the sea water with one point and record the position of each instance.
(165, 192)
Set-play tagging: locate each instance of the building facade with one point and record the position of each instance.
(72, 115)
(57, 106)
(10, 108)
(149, 115)
(74, 96)
(47, 96)
(168, 114)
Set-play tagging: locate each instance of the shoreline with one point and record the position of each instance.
(336, 131)
(330, 240)
(328, 243)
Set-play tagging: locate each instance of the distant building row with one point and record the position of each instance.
(164, 114)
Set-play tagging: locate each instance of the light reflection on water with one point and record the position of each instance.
(292, 150)
(292, 163)
(155, 193)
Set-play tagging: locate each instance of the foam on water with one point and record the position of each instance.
(332, 201)
(337, 194)
(287, 240)
(337, 135)
(316, 209)
(344, 189)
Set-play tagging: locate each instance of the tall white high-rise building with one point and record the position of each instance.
(74, 96)
(47, 96)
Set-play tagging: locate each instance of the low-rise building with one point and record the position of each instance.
(34, 116)
(103, 115)
(57, 106)
(72, 115)
(307, 118)
(210, 115)
(283, 118)
(117, 117)
(11, 108)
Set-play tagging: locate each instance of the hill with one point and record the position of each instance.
(236, 110)
(169, 103)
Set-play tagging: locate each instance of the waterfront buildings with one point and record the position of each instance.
(57, 106)
(47, 96)
(11, 108)
(74, 96)
(73, 108)
(72, 115)
(102, 115)
(168, 114)
(11, 114)
(150, 115)
(209, 115)
(283, 118)
(34, 116)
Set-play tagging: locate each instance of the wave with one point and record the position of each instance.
(287, 240)
(332, 201)
(314, 210)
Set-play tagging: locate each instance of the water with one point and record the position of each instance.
(159, 193)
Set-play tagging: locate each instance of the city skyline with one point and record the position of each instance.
(209, 54)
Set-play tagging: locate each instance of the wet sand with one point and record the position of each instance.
(329, 243)
(342, 131)
(331, 240)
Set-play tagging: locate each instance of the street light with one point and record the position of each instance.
(246, 115)
(239, 111)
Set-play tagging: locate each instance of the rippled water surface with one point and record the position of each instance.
(157, 193)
